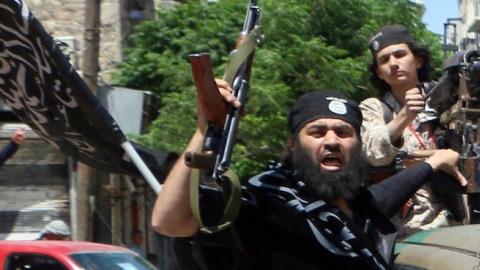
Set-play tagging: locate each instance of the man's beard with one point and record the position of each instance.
(346, 183)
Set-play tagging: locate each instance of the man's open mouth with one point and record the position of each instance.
(331, 162)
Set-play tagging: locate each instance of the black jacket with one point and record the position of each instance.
(277, 228)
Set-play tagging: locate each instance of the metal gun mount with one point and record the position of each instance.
(456, 97)
(460, 82)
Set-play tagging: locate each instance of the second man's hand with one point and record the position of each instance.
(447, 161)
(18, 136)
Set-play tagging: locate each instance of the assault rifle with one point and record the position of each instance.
(211, 166)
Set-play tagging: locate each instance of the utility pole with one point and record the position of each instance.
(116, 197)
(453, 46)
(86, 174)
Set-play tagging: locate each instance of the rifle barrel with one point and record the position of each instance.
(231, 124)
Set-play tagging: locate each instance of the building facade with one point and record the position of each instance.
(37, 182)
(463, 31)
(118, 18)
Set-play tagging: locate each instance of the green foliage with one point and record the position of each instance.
(314, 44)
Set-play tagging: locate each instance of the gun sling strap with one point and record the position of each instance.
(232, 206)
(239, 55)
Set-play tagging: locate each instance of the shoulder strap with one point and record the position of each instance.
(387, 111)
(379, 173)
(232, 206)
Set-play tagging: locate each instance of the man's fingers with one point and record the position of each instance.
(460, 178)
(415, 102)
(455, 172)
(414, 97)
(223, 84)
(227, 93)
(229, 97)
(416, 107)
(414, 92)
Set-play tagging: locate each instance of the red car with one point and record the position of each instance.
(68, 255)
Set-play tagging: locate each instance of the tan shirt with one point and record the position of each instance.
(376, 141)
(426, 212)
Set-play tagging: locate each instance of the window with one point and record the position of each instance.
(68, 46)
(31, 261)
(111, 261)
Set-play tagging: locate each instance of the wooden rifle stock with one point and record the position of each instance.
(421, 154)
(211, 102)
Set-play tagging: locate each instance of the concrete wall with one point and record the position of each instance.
(34, 186)
(66, 18)
(469, 26)
(63, 18)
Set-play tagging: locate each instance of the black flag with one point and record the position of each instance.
(44, 91)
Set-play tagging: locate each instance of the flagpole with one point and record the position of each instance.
(142, 167)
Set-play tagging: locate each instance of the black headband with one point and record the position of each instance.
(324, 104)
(389, 35)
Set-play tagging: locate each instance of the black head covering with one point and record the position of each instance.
(389, 35)
(323, 104)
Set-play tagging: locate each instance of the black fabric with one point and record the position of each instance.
(394, 191)
(389, 35)
(406, 182)
(276, 234)
(445, 187)
(44, 91)
(324, 104)
(7, 151)
(165, 248)
(387, 112)
(275, 228)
